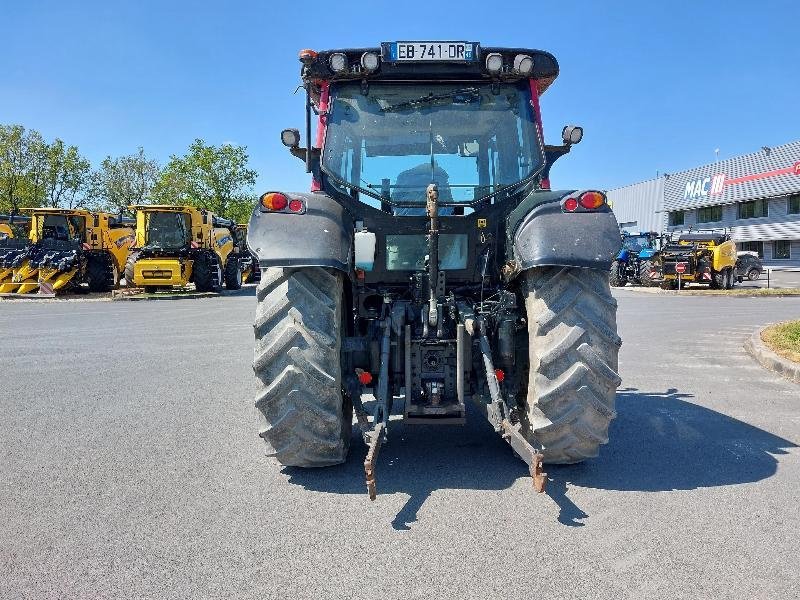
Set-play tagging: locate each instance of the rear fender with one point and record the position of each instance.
(320, 237)
(545, 236)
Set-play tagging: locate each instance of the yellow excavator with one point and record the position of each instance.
(69, 250)
(178, 245)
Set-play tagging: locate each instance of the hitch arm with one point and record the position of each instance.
(528, 453)
(496, 412)
(376, 439)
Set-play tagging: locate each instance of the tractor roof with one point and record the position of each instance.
(717, 238)
(58, 211)
(163, 207)
(316, 66)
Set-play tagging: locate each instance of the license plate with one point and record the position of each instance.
(430, 51)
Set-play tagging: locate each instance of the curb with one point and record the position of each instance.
(708, 293)
(769, 359)
(187, 296)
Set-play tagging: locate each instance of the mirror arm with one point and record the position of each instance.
(309, 148)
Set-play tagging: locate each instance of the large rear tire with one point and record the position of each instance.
(648, 274)
(617, 278)
(304, 418)
(573, 347)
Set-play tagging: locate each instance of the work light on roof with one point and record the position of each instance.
(523, 64)
(572, 134)
(369, 61)
(290, 138)
(338, 62)
(494, 63)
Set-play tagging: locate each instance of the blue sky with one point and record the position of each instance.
(657, 86)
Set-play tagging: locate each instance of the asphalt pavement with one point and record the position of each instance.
(130, 468)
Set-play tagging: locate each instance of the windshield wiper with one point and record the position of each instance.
(462, 96)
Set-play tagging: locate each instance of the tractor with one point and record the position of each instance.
(67, 250)
(637, 261)
(176, 245)
(431, 264)
(704, 256)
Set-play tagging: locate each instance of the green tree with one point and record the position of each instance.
(211, 177)
(22, 167)
(123, 181)
(66, 176)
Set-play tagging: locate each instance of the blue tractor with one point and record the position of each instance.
(637, 261)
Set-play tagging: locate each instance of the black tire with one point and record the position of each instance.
(753, 274)
(645, 268)
(101, 274)
(129, 264)
(304, 418)
(572, 375)
(233, 274)
(205, 272)
(718, 280)
(617, 277)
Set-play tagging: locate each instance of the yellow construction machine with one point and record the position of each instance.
(67, 250)
(251, 272)
(178, 245)
(12, 247)
(699, 257)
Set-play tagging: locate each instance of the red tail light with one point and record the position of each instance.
(500, 374)
(592, 200)
(274, 201)
(570, 204)
(364, 377)
(585, 201)
(296, 206)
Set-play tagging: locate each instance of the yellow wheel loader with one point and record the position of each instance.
(70, 250)
(707, 257)
(178, 245)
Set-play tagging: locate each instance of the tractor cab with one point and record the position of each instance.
(167, 229)
(58, 225)
(456, 115)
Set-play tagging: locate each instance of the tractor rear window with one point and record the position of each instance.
(472, 139)
(408, 252)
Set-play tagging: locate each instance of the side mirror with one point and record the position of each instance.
(290, 138)
(572, 134)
